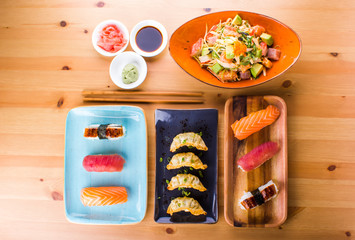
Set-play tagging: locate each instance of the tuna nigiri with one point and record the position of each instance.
(103, 163)
(103, 196)
(254, 122)
(258, 156)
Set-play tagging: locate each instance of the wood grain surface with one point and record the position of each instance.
(46, 60)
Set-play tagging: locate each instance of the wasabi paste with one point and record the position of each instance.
(129, 74)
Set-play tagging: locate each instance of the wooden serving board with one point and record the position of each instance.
(274, 212)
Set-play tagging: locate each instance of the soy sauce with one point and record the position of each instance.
(149, 39)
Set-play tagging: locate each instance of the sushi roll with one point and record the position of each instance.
(259, 196)
(104, 131)
(103, 163)
(258, 156)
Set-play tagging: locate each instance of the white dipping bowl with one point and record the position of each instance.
(120, 61)
(149, 23)
(96, 37)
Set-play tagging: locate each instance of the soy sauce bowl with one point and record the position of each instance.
(148, 43)
(120, 61)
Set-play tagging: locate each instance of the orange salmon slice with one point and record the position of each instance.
(254, 122)
(103, 196)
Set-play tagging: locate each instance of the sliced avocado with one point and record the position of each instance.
(229, 52)
(216, 68)
(205, 51)
(256, 69)
(258, 53)
(267, 38)
(214, 55)
(237, 20)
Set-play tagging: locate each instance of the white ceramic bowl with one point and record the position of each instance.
(120, 61)
(149, 23)
(96, 36)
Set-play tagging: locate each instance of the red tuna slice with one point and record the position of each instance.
(274, 54)
(103, 163)
(258, 156)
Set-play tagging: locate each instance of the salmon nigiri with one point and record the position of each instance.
(103, 196)
(103, 163)
(254, 122)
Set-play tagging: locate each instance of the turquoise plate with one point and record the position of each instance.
(133, 147)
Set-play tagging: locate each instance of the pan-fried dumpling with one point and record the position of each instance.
(186, 204)
(188, 139)
(186, 181)
(188, 159)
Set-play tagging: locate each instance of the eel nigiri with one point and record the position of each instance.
(103, 163)
(104, 131)
(103, 196)
(254, 122)
(258, 156)
(259, 196)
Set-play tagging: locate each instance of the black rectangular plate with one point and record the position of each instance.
(168, 124)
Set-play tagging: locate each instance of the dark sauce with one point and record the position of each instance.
(149, 39)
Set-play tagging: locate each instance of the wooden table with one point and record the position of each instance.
(46, 60)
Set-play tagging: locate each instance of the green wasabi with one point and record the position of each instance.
(129, 74)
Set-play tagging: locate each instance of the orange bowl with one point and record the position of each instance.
(186, 35)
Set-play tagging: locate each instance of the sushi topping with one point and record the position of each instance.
(259, 196)
(254, 122)
(249, 203)
(103, 163)
(259, 199)
(101, 131)
(269, 192)
(104, 131)
(258, 156)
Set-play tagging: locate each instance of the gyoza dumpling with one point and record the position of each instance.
(186, 204)
(188, 159)
(188, 139)
(186, 181)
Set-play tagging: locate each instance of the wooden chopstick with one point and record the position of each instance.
(140, 93)
(136, 100)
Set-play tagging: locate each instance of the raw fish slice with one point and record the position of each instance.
(258, 156)
(254, 122)
(103, 163)
(103, 196)
(197, 48)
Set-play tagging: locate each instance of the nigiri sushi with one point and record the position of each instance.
(254, 122)
(259, 196)
(258, 156)
(104, 131)
(103, 196)
(103, 163)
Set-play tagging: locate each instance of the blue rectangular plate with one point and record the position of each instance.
(132, 147)
(168, 124)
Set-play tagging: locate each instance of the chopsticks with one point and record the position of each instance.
(142, 96)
